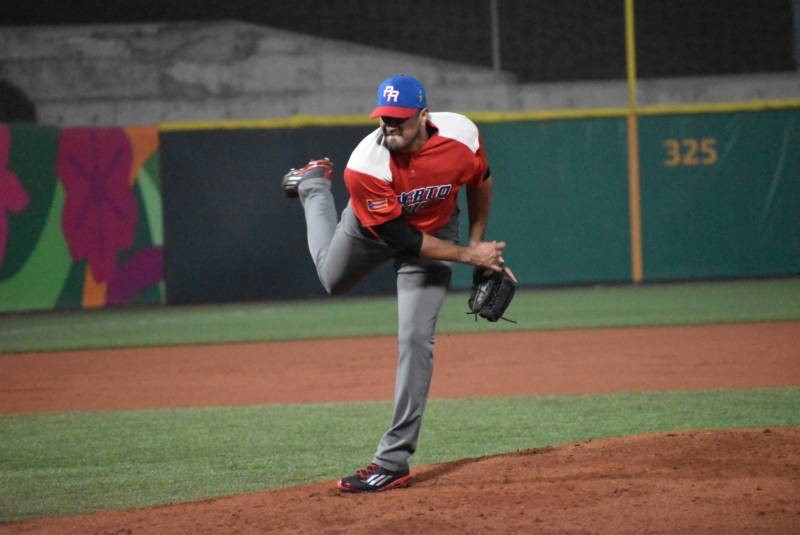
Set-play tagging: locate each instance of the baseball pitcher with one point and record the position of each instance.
(403, 179)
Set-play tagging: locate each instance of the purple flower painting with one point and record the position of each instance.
(100, 211)
(13, 197)
(143, 268)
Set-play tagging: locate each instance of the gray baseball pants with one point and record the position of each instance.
(343, 255)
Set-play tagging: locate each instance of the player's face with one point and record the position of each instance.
(404, 135)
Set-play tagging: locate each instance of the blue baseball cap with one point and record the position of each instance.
(400, 97)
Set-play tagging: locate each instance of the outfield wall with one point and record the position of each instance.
(80, 217)
(84, 212)
(720, 194)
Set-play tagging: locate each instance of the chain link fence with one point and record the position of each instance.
(538, 41)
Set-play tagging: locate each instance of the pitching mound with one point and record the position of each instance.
(726, 482)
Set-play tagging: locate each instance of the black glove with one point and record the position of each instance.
(492, 292)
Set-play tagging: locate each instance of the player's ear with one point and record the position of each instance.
(423, 115)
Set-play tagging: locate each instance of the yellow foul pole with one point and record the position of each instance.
(634, 193)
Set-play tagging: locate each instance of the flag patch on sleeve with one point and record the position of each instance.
(377, 205)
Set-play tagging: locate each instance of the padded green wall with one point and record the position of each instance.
(720, 195)
(561, 199)
(720, 198)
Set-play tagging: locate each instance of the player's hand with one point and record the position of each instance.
(510, 273)
(488, 254)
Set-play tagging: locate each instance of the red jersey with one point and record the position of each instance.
(422, 185)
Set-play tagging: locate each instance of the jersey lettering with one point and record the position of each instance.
(418, 198)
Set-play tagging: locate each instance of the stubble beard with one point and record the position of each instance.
(393, 141)
(397, 142)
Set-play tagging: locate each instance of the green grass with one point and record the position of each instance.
(613, 306)
(69, 463)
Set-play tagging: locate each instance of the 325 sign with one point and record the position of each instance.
(690, 151)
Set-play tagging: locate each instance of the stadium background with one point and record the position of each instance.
(716, 182)
(538, 41)
(718, 168)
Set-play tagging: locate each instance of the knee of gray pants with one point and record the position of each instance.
(339, 288)
(421, 286)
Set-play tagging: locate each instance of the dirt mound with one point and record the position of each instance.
(725, 481)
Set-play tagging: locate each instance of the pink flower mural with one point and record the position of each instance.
(143, 268)
(100, 211)
(13, 197)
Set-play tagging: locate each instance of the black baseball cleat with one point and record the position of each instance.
(374, 478)
(314, 169)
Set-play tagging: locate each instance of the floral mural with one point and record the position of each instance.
(100, 241)
(99, 217)
(13, 197)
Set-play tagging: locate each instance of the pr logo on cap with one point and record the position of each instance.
(399, 96)
(390, 93)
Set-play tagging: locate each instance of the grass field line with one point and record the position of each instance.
(69, 463)
(533, 309)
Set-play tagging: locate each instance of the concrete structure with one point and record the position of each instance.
(148, 73)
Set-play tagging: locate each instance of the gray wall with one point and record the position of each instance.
(125, 74)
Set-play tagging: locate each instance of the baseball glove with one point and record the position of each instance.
(492, 292)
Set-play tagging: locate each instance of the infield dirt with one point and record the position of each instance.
(726, 482)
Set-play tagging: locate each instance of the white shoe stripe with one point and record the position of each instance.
(376, 480)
